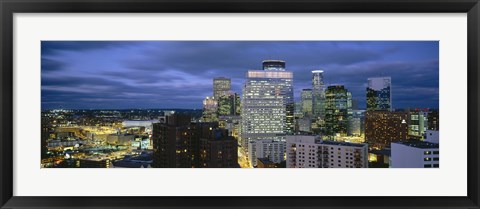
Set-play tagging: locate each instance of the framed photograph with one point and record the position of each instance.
(239, 104)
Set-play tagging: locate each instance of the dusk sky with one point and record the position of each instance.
(179, 74)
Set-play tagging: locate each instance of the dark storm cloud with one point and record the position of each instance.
(56, 47)
(167, 74)
(51, 65)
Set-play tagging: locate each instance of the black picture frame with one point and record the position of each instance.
(10, 7)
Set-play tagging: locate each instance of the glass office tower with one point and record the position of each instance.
(267, 109)
(379, 95)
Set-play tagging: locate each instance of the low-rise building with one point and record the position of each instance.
(270, 149)
(310, 151)
(265, 163)
(415, 154)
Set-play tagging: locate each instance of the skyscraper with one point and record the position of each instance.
(221, 86)
(210, 109)
(178, 143)
(338, 111)
(307, 102)
(318, 98)
(267, 106)
(229, 104)
(379, 95)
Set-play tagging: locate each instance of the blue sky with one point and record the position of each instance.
(178, 74)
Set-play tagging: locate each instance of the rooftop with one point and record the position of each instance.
(328, 142)
(381, 152)
(265, 161)
(418, 144)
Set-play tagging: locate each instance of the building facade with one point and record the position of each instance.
(267, 107)
(221, 86)
(218, 149)
(338, 111)
(415, 154)
(417, 123)
(379, 95)
(229, 104)
(182, 144)
(433, 120)
(307, 102)
(269, 149)
(309, 151)
(210, 110)
(384, 127)
(318, 95)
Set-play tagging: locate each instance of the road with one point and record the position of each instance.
(242, 159)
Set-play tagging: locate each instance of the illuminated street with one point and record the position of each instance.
(242, 159)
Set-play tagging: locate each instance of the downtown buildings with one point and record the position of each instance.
(267, 111)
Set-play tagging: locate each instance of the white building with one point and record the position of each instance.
(432, 136)
(273, 150)
(267, 108)
(415, 154)
(309, 151)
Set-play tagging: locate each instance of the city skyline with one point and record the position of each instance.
(178, 74)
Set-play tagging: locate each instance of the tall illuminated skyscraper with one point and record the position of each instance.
(318, 94)
(267, 108)
(379, 95)
(221, 87)
(338, 111)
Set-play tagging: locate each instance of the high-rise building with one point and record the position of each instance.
(217, 149)
(318, 95)
(229, 104)
(338, 111)
(379, 95)
(178, 143)
(384, 127)
(356, 125)
(45, 135)
(308, 151)
(267, 106)
(297, 113)
(210, 110)
(221, 86)
(173, 143)
(415, 154)
(307, 102)
(417, 123)
(433, 120)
